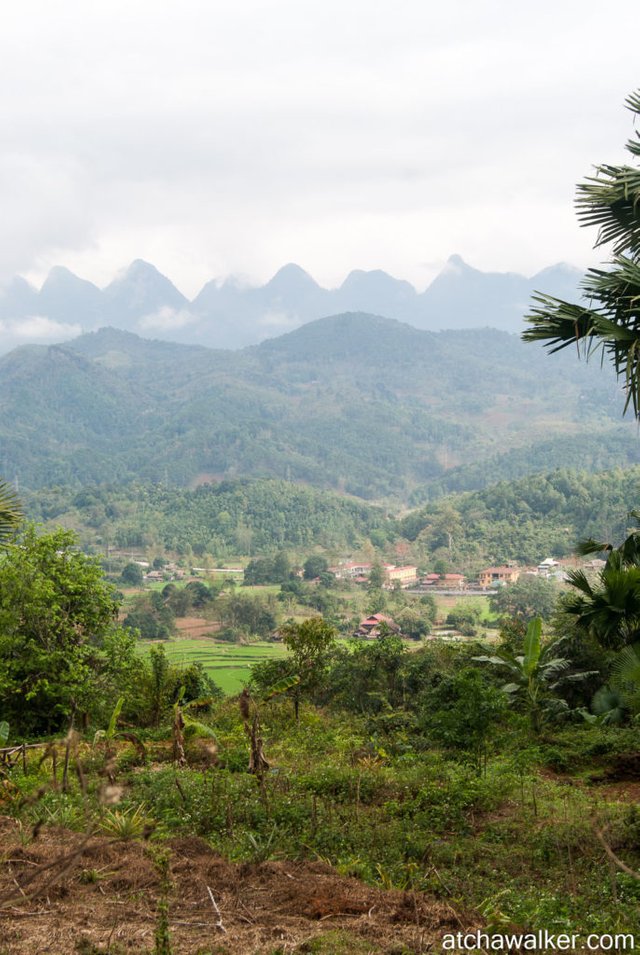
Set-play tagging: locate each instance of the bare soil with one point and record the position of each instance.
(195, 627)
(63, 894)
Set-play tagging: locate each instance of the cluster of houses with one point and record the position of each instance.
(406, 576)
(490, 578)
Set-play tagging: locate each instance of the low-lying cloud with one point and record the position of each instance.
(35, 330)
(167, 318)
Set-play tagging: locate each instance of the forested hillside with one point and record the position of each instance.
(523, 520)
(245, 516)
(359, 404)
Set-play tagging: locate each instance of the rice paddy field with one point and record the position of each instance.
(227, 663)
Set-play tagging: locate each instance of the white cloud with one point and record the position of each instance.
(275, 319)
(232, 137)
(34, 330)
(167, 318)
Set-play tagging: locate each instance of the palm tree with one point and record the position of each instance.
(610, 317)
(536, 676)
(608, 606)
(10, 513)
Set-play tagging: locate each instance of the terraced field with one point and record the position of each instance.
(227, 663)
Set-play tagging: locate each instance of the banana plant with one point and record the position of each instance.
(111, 733)
(536, 675)
(185, 727)
(250, 711)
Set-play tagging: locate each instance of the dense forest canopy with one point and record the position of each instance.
(354, 403)
(524, 520)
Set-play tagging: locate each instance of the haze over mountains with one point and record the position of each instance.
(230, 315)
(354, 403)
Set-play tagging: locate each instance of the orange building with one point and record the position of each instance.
(498, 575)
(405, 575)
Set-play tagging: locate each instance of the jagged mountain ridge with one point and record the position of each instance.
(229, 315)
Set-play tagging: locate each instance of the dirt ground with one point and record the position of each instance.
(62, 894)
(195, 627)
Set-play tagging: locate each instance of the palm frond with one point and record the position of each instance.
(10, 512)
(579, 580)
(590, 546)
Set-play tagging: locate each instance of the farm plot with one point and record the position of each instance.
(228, 664)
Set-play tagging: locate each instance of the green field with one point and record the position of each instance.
(227, 663)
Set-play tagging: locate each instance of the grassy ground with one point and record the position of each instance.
(514, 848)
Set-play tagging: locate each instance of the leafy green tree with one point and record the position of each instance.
(314, 566)
(369, 680)
(199, 594)
(528, 597)
(413, 623)
(62, 653)
(465, 617)
(429, 607)
(152, 616)
(610, 201)
(10, 513)
(463, 713)
(376, 577)
(132, 575)
(310, 644)
(254, 616)
(268, 570)
(178, 599)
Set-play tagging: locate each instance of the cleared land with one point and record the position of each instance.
(106, 897)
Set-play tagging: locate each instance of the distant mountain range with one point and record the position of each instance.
(355, 403)
(230, 315)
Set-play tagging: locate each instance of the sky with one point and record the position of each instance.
(221, 138)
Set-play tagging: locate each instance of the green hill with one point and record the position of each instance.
(525, 520)
(540, 515)
(244, 516)
(355, 403)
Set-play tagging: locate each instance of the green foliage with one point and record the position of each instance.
(125, 824)
(152, 616)
(132, 575)
(309, 644)
(61, 651)
(369, 679)
(524, 520)
(414, 623)
(625, 678)
(608, 606)
(610, 201)
(463, 712)
(376, 577)
(314, 566)
(274, 515)
(10, 512)
(528, 597)
(268, 570)
(250, 616)
(537, 676)
(465, 617)
(160, 683)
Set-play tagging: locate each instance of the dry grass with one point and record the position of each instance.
(107, 899)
